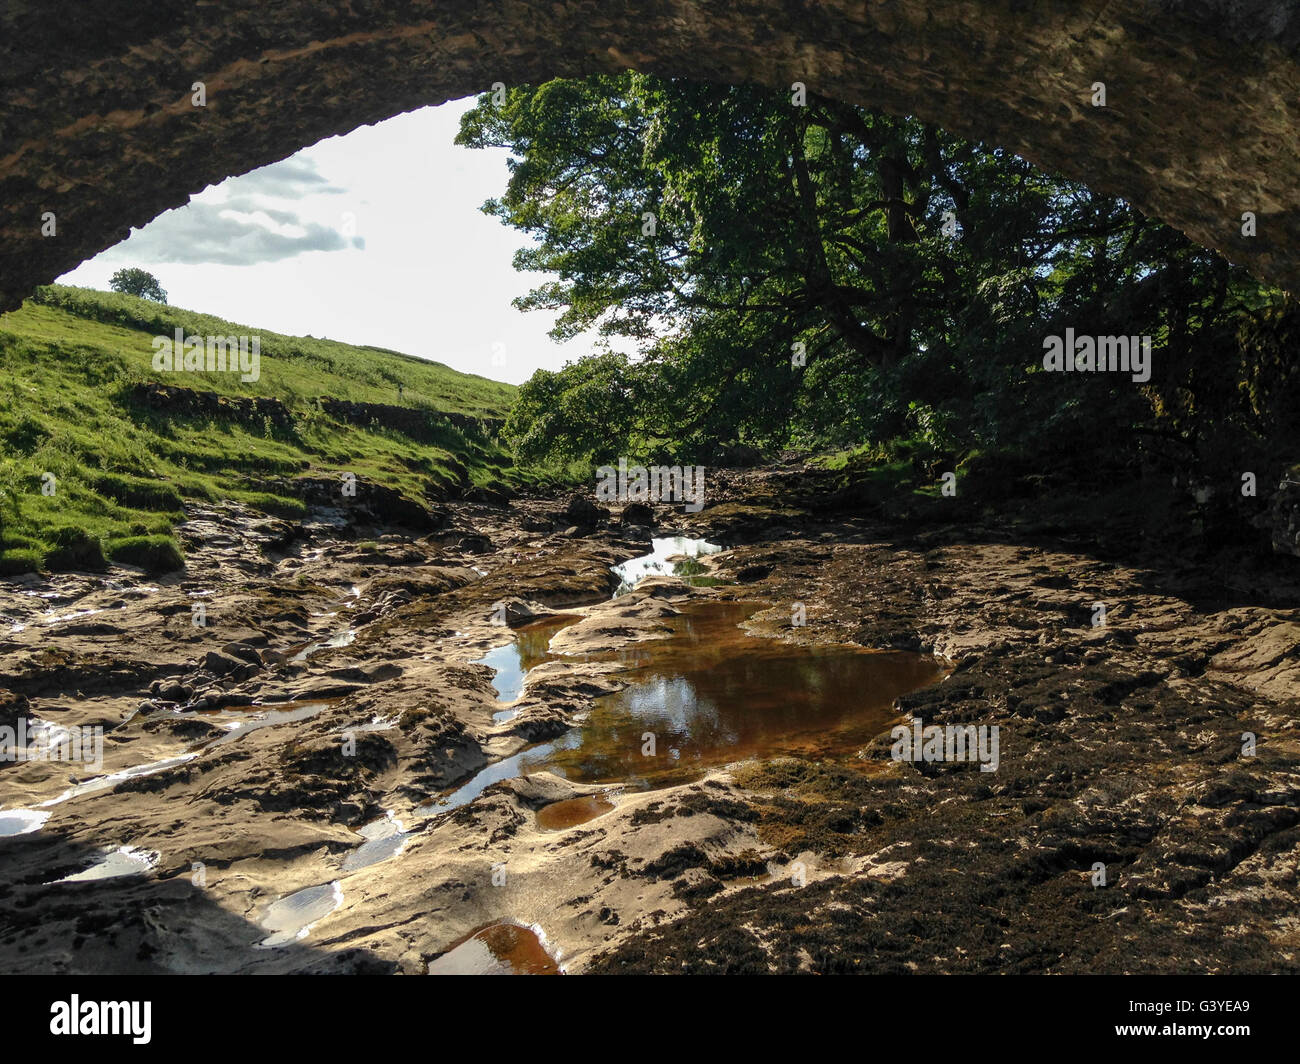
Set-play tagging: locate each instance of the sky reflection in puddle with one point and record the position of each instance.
(711, 693)
(291, 917)
(513, 661)
(632, 571)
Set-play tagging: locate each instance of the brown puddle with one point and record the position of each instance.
(572, 811)
(711, 694)
(497, 949)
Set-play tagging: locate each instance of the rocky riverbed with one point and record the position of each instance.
(306, 768)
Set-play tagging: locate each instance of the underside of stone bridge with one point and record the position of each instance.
(99, 128)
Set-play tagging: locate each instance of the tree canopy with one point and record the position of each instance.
(137, 282)
(814, 274)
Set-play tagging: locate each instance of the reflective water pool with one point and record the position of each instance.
(512, 661)
(498, 949)
(711, 693)
(664, 557)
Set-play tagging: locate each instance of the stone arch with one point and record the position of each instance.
(97, 124)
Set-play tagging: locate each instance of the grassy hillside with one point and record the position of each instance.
(72, 363)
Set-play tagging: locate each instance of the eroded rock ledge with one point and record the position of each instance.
(1122, 745)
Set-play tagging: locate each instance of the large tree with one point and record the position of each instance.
(808, 272)
(137, 282)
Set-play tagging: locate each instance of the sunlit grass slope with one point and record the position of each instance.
(88, 471)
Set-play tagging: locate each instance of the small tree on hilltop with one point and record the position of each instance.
(137, 282)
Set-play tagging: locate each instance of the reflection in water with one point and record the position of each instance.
(711, 694)
(505, 769)
(292, 916)
(498, 949)
(632, 571)
(21, 821)
(241, 723)
(338, 639)
(124, 861)
(384, 839)
(103, 783)
(528, 648)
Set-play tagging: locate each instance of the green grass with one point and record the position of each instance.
(87, 475)
(155, 554)
(293, 368)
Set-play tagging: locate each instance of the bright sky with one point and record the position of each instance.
(374, 238)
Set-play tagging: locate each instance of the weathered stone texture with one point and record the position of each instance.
(96, 122)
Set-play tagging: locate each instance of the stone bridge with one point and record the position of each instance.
(97, 123)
